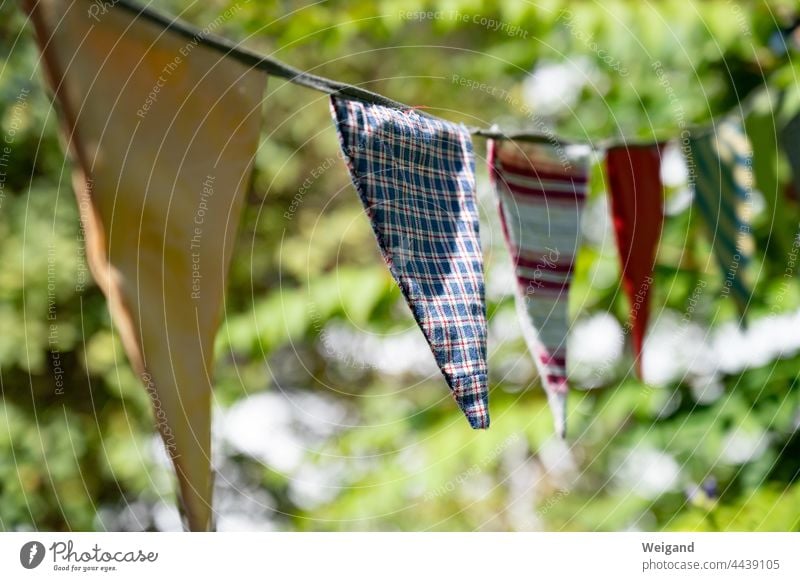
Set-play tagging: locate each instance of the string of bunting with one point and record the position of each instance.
(164, 189)
(283, 70)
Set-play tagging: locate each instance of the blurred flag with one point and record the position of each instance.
(164, 132)
(634, 175)
(722, 164)
(541, 191)
(790, 141)
(415, 177)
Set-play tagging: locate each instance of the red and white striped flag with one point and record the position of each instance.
(541, 191)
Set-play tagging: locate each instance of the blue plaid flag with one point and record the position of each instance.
(415, 176)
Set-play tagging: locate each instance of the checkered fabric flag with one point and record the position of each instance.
(540, 193)
(415, 176)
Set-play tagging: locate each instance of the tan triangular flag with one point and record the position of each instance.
(164, 132)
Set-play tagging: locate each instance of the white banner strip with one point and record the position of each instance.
(400, 556)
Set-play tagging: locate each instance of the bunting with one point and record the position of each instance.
(541, 191)
(163, 124)
(415, 177)
(164, 134)
(722, 184)
(791, 145)
(634, 176)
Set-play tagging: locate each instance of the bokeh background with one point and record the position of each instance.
(329, 411)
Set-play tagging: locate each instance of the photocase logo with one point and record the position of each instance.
(31, 554)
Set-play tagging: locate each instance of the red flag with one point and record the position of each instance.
(634, 175)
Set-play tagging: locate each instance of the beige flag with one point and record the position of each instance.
(164, 132)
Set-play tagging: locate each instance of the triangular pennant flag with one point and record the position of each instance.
(164, 133)
(790, 142)
(415, 177)
(541, 191)
(721, 164)
(637, 200)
